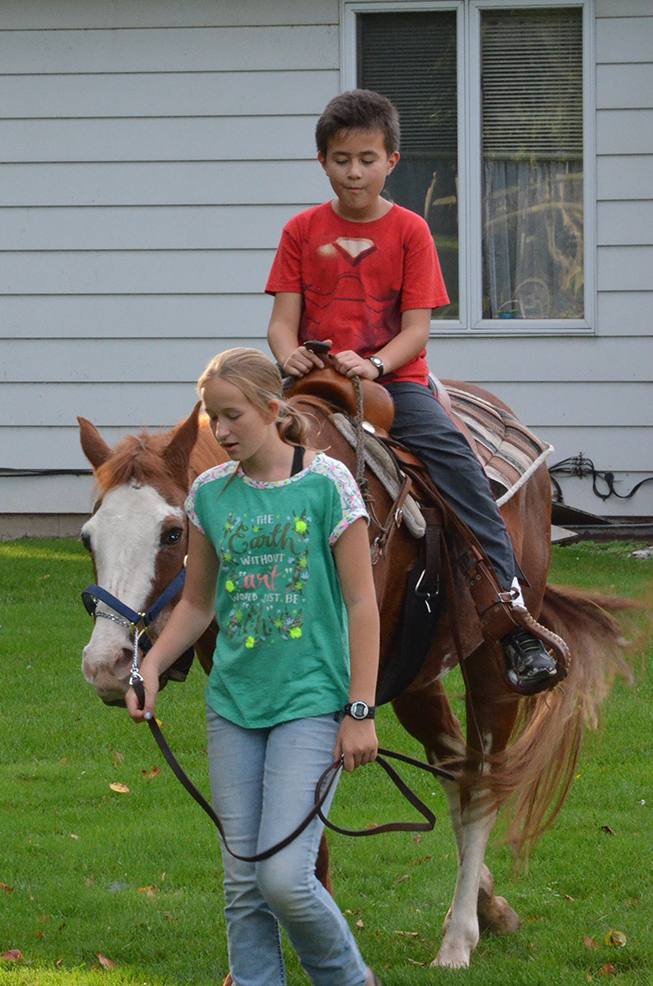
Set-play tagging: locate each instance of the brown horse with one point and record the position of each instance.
(520, 747)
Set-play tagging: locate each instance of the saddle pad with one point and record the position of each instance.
(510, 453)
(384, 468)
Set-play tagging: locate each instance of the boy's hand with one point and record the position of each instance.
(350, 364)
(356, 742)
(301, 361)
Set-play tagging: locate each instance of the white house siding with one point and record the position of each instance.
(593, 395)
(150, 152)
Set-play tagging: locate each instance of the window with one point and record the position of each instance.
(491, 99)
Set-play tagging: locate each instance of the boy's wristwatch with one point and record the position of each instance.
(357, 710)
(378, 363)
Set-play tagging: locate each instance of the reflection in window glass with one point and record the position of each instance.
(532, 136)
(411, 59)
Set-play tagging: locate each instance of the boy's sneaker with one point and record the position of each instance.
(372, 978)
(529, 662)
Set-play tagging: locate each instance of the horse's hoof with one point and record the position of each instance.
(496, 916)
(451, 958)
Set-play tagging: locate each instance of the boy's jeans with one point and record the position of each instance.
(424, 427)
(263, 784)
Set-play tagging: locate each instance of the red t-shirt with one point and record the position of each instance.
(357, 279)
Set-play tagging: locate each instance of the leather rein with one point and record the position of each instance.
(138, 624)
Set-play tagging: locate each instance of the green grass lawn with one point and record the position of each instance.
(135, 876)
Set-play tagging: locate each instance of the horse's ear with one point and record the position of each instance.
(177, 452)
(94, 446)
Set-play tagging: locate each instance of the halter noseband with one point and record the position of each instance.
(136, 623)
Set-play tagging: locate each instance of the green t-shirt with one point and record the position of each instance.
(282, 652)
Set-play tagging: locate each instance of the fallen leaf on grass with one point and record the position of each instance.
(359, 923)
(408, 934)
(3, 886)
(415, 962)
(616, 938)
(589, 942)
(39, 934)
(120, 788)
(149, 891)
(607, 970)
(73, 836)
(58, 962)
(13, 955)
(105, 962)
(569, 897)
(45, 917)
(151, 773)
(606, 828)
(401, 879)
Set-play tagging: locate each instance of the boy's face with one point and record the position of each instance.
(357, 165)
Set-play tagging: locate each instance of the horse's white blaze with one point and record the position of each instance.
(125, 536)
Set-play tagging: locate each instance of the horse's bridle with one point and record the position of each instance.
(137, 623)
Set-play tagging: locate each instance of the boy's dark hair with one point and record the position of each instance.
(359, 109)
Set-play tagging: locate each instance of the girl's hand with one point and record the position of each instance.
(356, 742)
(301, 361)
(350, 364)
(151, 685)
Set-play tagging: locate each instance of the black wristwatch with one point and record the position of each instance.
(357, 710)
(378, 363)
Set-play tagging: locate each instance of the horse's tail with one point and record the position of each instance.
(536, 770)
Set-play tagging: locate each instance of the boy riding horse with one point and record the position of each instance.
(362, 274)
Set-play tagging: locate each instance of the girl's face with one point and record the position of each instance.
(240, 428)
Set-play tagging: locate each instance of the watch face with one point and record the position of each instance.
(359, 710)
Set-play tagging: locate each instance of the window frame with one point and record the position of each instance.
(468, 25)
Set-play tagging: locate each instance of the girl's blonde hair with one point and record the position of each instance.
(260, 381)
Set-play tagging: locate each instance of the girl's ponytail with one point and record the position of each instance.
(293, 426)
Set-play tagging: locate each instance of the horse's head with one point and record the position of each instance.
(137, 537)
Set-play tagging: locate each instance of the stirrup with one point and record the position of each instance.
(500, 614)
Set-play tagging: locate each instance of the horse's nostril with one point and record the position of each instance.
(125, 658)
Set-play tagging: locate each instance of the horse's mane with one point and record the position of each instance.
(137, 459)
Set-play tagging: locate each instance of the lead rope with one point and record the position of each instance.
(361, 482)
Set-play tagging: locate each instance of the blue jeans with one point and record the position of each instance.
(262, 785)
(424, 427)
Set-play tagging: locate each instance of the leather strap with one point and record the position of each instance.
(321, 794)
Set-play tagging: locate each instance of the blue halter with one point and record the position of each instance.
(93, 594)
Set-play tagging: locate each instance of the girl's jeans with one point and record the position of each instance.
(263, 784)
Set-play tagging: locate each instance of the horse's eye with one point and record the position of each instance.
(172, 536)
